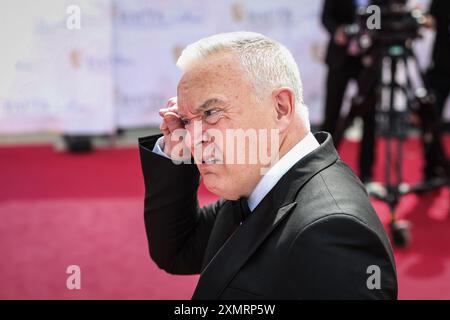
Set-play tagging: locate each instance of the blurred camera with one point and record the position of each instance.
(400, 25)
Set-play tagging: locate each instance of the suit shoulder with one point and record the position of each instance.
(335, 190)
(336, 250)
(336, 199)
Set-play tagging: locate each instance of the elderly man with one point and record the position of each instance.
(299, 226)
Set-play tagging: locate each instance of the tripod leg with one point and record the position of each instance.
(399, 228)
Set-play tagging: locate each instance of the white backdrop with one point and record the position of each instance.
(146, 75)
(53, 78)
(119, 69)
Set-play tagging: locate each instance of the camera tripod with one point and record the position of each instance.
(392, 116)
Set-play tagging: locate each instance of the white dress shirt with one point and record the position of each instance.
(275, 173)
(159, 146)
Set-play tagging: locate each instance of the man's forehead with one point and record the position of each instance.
(194, 95)
(213, 61)
(210, 69)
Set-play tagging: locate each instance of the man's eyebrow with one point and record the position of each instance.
(205, 106)
(208, 103)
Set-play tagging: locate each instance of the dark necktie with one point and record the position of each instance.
(244, 209)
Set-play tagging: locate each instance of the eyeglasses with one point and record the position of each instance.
(210, 117)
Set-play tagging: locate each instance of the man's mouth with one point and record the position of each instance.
(210, 160)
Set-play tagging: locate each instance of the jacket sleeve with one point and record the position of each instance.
(177, 229)
(339, 257)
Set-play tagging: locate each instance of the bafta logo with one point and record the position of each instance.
(237, 12)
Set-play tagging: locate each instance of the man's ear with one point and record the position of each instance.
(284, 98)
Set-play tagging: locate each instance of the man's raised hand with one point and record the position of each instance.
(172, 125)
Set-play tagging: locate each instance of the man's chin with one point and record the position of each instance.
(214, 185)
(210, 181)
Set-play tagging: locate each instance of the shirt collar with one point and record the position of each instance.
(274, 174)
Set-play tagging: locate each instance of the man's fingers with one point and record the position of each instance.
(164, 128)
(172, 101)
(173, 109)
(170, 106)
(173, 121)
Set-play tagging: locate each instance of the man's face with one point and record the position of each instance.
(218, 91)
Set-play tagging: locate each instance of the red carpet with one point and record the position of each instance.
(58, 209)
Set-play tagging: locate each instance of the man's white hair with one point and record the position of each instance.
(267, 63)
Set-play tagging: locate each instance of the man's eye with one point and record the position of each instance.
(211, 112)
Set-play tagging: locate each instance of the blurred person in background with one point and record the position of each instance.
(438, 79)
(344, 62)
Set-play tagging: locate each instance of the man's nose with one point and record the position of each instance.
(197, 134)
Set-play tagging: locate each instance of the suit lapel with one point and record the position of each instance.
(236, 250)
(226, 223)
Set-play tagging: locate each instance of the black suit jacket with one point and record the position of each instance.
(312, 237)
(334, 14)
